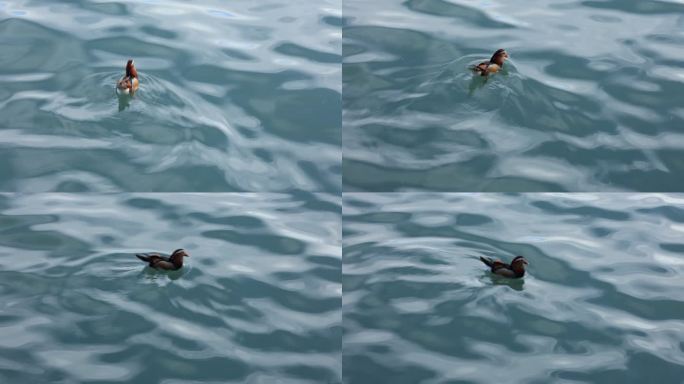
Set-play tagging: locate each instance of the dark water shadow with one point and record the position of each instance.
(152, 274)
(516, 284)
(477, 82)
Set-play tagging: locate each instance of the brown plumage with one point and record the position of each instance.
(159, 261)
(515, 269)
(493, 65)
(129, 82)
(130, 69)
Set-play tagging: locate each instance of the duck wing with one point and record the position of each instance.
(482, 68)
(488, 261)
(151, 257)
(498, 267)
(157, 261)
(162, 264)
(504, 271)
(492, 263)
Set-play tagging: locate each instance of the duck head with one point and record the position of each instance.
(177, 256)
(130, 69)
(499, 57)
(518, 264)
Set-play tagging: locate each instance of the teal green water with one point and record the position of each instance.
(601, 302)
(258, 301)
(589, 101)
(235, 96)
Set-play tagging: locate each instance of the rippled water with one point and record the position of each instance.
(235, 96)
(601, 302)
(590, 100)
(258, 300)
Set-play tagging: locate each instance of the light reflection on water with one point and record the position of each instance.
(587, 101)
(600, 302)
(233, 97)
(258, 300)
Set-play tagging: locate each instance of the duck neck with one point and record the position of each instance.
(177, 260)
(519, 270)
(131, 72)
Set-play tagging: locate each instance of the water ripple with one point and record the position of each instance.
(600, 302)
(240, 99)
(564, 115)
(258, 300)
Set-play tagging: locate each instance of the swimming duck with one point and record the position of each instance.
(515, 269)
(159, 261)
(128, 84)
(493, 65)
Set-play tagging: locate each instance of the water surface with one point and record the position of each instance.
(234, 96)
(590, 100)
(601, 301)
(257, 301)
